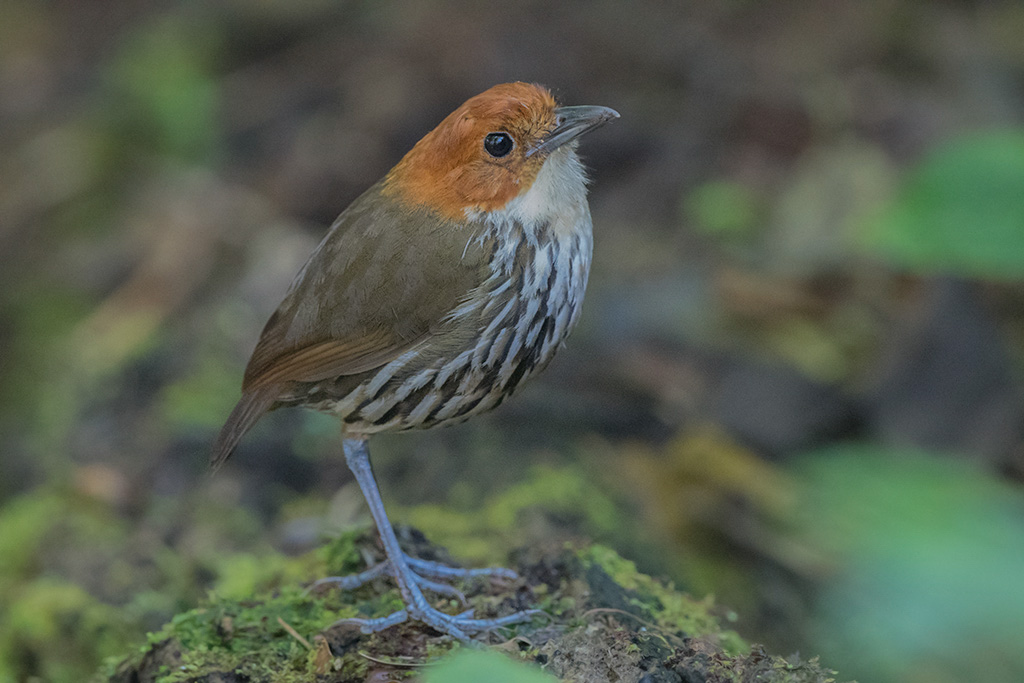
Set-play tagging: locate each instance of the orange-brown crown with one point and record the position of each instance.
(454, 168)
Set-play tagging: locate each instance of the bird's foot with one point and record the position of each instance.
(413, 576)
(422, 571)
(459, 626)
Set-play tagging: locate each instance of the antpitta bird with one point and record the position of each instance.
(433, 297)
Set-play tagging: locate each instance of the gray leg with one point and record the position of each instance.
(410, 584)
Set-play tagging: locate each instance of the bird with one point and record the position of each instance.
(430, 299)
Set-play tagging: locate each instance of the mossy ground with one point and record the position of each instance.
(603, 621)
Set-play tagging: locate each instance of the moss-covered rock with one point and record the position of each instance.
(604, 621)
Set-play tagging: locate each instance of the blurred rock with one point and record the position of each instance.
(778, 411)
(945, 381)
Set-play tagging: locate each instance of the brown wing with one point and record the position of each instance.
(327, 359)
(379, 284)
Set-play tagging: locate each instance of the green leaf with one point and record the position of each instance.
(923, 564)
(472, 666)
(961, 210)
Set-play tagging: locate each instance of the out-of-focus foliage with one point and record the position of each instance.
(960, 210)
(78, 583)
(924, 559)
(471, 666)
(524, 514)
(692, 481)
(163, 91)
(64, 627)
(727, 211)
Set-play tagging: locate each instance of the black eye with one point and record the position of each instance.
(498, 144)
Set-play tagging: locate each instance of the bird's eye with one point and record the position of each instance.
(498, 144)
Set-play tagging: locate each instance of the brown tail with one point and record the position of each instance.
(247, 412)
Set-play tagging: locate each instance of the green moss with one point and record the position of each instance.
(255, 638)
(241, 575)
(252, 592)
(669, 609)
(759, 666)
(341, 554)
(558, 605)
(258, 615)
(564, 490)
(486, 535)
(241, 627)
(619, 568)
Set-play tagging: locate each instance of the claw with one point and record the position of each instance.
(421, 569)
(443, 571)
(461, 626)
(352, 581)
(374, 625)
(441, 589)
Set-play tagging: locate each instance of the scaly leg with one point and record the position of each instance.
(402, 567)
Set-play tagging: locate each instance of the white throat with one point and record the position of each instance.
(556, 201)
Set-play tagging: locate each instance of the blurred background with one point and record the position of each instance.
(796, 385)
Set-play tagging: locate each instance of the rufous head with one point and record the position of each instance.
(489, 150)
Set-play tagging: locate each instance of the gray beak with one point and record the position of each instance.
(572, 123)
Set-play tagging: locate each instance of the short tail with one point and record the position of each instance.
(249, 409)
